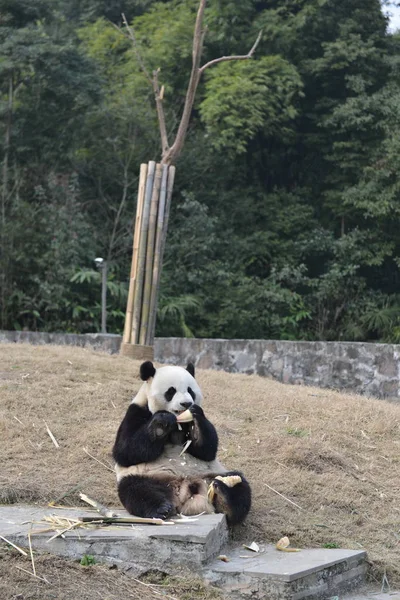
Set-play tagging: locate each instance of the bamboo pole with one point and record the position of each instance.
(135, 254)
(148, 276)
(170, 187)
(157, 250)
(137, 303)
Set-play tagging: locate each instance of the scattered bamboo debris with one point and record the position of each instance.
(14, 546)
(53, 439)
(16, 418)
(152, 586)
(253, 547)
(77, 487)
(97, 460)
(33, 575)
(282, 496)
(60, 533)
(283, 545)
(223, 557)
(185, 447)
(125, 520)
(103, 510)
(31, 553)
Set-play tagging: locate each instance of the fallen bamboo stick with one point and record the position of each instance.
(148, 274)
(53, 439)
(282, 496)
(97, 460)
(31, 553)
(135, 254)
(138, 294)
(32, 574)
(130, 520)
(103, 510)
(14, 546)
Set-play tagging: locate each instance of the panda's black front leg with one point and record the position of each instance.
(141, 436)
(203, 435)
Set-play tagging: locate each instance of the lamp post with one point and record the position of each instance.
(101, 264)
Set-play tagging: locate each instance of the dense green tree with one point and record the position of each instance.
(286, 207)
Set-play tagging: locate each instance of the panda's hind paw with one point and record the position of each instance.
(165, 510)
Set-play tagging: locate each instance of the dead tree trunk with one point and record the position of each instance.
(151, 231)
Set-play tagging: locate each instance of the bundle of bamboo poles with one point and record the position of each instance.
(154, 199)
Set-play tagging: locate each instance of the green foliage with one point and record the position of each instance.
(248, 97)
(87, 560)
(285, 217)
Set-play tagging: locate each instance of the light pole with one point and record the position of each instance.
(101, 264)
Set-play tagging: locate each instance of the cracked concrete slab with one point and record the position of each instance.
(135, 547)
(306, 575)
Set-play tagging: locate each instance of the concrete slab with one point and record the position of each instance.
(135, 547)
(307, 575)
(316, 574)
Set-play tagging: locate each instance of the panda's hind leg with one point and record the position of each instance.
(146, 497)
(232, 500)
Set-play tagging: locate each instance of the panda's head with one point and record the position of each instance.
(168, 388)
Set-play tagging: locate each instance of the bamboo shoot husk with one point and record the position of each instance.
(137, 303)
(135, 255)
(170, 187)
(157, 250)
(148, 275)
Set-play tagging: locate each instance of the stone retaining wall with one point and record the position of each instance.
(370, 369)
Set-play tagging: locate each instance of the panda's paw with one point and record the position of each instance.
(165, 510)
(197, 411)
(230, 495)
(162, 424)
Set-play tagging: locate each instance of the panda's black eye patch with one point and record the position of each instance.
(191, 392)
(169, 394)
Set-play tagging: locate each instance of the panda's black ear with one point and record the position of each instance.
(147, 370)
(190, 368)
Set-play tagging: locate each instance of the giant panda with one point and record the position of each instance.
(155, 478)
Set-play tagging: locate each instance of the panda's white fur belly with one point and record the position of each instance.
(171, 463)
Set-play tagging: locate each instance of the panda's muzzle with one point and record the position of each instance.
(186, 405)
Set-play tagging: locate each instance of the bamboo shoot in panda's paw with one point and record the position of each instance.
(185, 417)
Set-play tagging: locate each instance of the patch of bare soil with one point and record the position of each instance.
(334, 457)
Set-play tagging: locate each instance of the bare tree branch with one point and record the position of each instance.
(198, 39)
(237, 57)
(170, 153)
(140, 60)
(159, 96)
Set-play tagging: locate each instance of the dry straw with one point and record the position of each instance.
(308, 445)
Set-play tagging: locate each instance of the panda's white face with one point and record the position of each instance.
(168, 388)
(172, 389)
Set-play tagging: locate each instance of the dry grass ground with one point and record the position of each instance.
(336, 456)
(67, 580)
